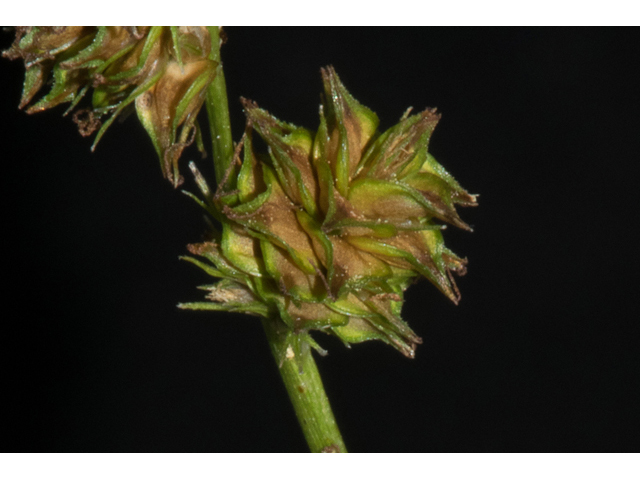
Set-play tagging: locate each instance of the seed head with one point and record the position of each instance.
(327, 231)
(163, 71)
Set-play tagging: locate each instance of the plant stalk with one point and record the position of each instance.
(300, 375)
(304, 385)
(218, 112)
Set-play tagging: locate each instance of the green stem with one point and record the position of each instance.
(304, 385)
(300, 375)
(218, 112)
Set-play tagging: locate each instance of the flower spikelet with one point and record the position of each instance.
(163, 71)
(327, 230)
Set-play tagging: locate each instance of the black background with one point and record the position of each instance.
(540, 355)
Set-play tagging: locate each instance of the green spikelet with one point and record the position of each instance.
(163, 71)
(328, 230)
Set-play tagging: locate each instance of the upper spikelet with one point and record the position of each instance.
(163, 71)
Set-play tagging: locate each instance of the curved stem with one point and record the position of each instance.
(304, 385)
(218, 112)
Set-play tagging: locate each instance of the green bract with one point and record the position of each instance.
(164, 71)
(328, 230)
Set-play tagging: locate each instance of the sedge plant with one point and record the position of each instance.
(321, 230)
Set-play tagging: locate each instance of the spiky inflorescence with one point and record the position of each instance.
(165, 71)
(327, 231)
